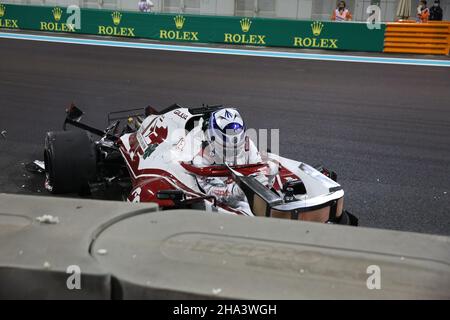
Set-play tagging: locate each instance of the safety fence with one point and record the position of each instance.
(350, 36)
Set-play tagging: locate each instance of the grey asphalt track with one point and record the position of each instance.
(385, 129)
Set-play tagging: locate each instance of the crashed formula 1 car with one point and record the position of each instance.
(149, 159)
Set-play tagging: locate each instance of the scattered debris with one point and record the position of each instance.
(48, 186)
(3, 133)
(40, 164)
(216, 291)
(23, 186)
(49, 219)
(35, 167)
(445, 192)
(378, 180)
(102, 252)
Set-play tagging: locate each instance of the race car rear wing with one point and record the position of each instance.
(74, 115)
(125, 114)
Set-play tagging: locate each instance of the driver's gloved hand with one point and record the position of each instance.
(268, 179)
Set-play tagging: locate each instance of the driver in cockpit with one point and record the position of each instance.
(226, 141)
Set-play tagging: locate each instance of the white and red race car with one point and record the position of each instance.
(149, 159)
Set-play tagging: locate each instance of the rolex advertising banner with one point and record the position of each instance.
(351, 36)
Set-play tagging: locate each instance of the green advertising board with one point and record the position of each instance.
(351, 36)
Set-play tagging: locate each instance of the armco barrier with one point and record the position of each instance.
(193, 28)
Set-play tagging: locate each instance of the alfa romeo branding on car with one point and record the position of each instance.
(166, 167)
(156, 132)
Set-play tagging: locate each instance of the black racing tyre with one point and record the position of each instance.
(70, 161)
(348, 219)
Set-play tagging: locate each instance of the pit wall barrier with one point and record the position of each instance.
(134, 251)
(420, 38)
(352, 36)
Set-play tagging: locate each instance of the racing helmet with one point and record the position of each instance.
(226, 133)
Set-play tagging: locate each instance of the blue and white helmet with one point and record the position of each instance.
(226, 130)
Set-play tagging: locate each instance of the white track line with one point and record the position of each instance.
(239, 52)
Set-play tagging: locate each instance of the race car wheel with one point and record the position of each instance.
(348, 219)
(70, 161)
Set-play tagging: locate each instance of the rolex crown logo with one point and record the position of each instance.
(246, 23)
(2, 10)
(179, 21)
(57, 13)
(116, 17)
(317, 28)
